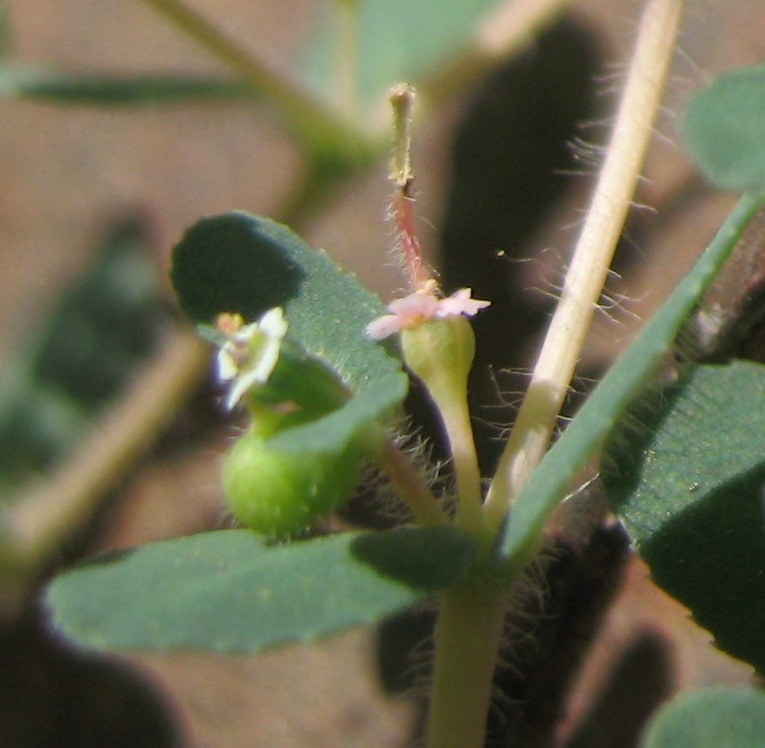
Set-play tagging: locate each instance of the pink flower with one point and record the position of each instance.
(421, 306)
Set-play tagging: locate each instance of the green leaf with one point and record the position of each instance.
(715, 717)
(723, 131)
(246, 264)
(59, 87)
(685, 471)
(399, 41)
(584, 436)
(332, 433)
(229, 592)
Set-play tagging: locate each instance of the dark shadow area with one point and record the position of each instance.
(52, 696)
(636, 688)
(561, 605)
(234, 263)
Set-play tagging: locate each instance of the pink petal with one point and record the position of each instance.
(383, 327)
(414, 307)
(460, 303)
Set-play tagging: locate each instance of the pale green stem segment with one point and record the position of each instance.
(314, 123)
(587, 273)
(459, 430)
(469, 627)
(401, 99)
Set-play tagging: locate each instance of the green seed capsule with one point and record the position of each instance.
(280, 493)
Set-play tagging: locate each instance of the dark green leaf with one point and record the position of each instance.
(246, 264)
(229, 592)
(332, 433)
(685, 471)
(718, 717)
(724, 133)
(63, 88)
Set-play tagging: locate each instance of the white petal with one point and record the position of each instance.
(273, 324)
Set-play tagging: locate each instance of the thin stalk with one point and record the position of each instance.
(411, 485)
(459, 432)
(310, 119)
(587, 273)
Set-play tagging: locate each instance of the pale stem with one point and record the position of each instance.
(587, 273)
(467, 636)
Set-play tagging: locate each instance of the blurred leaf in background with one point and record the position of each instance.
(100, 329)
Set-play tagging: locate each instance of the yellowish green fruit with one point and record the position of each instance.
(279, 493)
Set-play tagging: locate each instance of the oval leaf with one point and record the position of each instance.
(229, 592)
(685, 471)
(723, 130)
(711, 718)
(246, 264)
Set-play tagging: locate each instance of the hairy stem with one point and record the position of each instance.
(586, 276)
(411, 485)
(468, 631)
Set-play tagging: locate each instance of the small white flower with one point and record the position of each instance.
(421, 306)
(251, 351)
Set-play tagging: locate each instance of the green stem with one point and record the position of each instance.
(649, 67)
(468, 632)
(318, 127)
